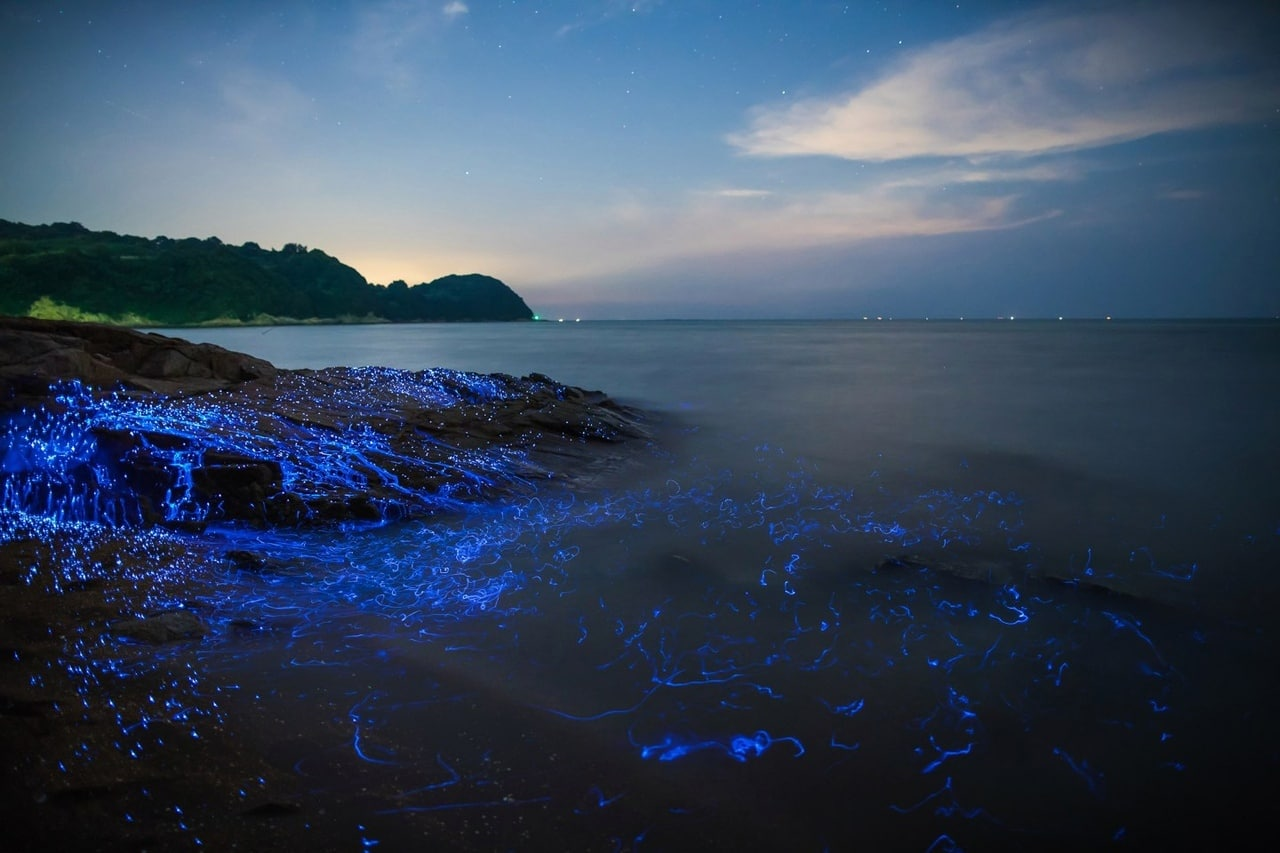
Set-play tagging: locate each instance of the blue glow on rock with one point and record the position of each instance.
(121, 459)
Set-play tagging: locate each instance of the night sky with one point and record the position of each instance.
(654, 159)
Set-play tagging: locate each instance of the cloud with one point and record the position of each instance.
(1035, 84)
(638, 231)
(607, 11)
(741, 192)
(388, 34)
(964, 173)
(260, 106)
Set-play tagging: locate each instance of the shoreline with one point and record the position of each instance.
(111, 581)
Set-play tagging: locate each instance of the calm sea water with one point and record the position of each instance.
(707, 649)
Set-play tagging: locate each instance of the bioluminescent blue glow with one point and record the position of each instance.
(785, 659)
(120, 459)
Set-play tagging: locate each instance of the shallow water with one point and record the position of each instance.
(1120, 435)
(705, 649)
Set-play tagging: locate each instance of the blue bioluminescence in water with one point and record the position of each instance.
(618, 666)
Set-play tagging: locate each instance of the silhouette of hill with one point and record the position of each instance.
(66, 271)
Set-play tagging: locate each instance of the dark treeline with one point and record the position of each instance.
(65, 270)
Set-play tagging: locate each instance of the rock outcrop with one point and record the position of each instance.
(104, 709)
(36, 353)
(112, 425)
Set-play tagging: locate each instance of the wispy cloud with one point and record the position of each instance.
(740, 192)
(965, 136)
(964, 173)
(260, 106)
(637, 231)
(1039, 83)
(388, 33)
(607, 10)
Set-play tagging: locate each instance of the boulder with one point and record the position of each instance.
(162, 431)
(35, 353)
(161, 628)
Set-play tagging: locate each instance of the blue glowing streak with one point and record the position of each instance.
(946, 788)
(848, 709)
(1081, 768)
(739, 747)
(944, 754)
(1133, 625)
(454, 778)
(358, 722)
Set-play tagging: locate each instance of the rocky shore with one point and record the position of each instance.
(156, 429)
(119, 451)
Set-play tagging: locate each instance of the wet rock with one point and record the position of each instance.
(1002, 572)
(194, 434)
(273, 809)
(996, 572)
(162, 628)
(12, 704)
(1106, 587)
(246, 561)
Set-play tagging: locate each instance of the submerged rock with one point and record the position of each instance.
(995, 572)
(1002, 572)
(161, 628)
(108, 424)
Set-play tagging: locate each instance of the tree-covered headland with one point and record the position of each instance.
(66, 271)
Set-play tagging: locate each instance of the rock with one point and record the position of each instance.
(246, 561)
(1098, 586)
(273, 808)
(35, 353)
(25, 706)
(1002, 572)
(194, 434)
(996, 572)
(161, 628)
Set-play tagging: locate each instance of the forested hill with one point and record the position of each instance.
(66, 271)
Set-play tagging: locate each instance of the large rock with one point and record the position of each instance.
(161, 431)
(161, 628)
(35, 353)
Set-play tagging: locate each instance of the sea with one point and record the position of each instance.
(873, 585)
